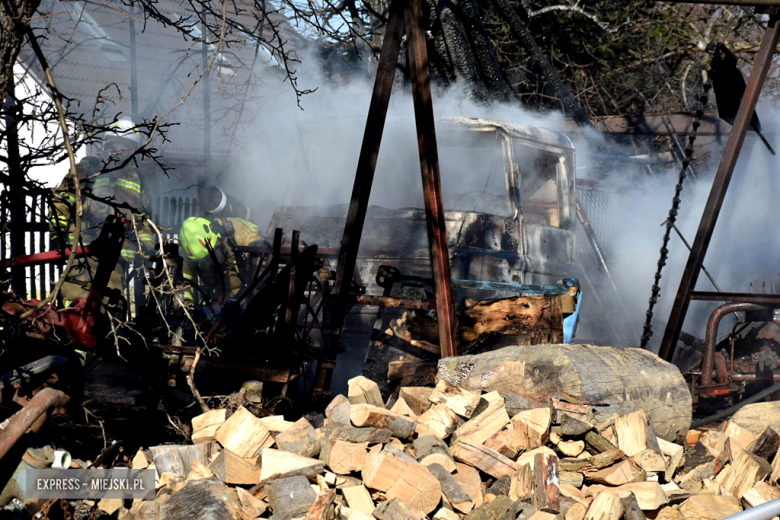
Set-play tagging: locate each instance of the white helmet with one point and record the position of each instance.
(123, 129)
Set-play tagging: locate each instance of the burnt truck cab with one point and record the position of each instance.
(509, 209)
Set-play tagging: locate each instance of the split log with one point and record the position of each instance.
(646, 382)
(516, 402)
(343, 457)
(487, 460)
(139, 461)
(713, 442)
(249, 504)
(637, 439)
(199, 471)
(573, 427)
(290, 497)
(462, 402)
(775, 476)
(488, 418)
(509, 443)
(674, 454)
(445, 514)
(518, 316)
(429, 449)
(275, 423)
(760, 493)
(469, 481)
(534, 424)
(649, 495)
(179, 459)
(595, 462)
(541, 515)
(362, 390)
(741, 436)
(352, 434)
(232, 469)
(521, 487)
(402, 407)
(205, 426)
(301, 439)
(501, 508)
(397, 509)
(347, 513)
(624, 472)
(709, 507)
(598, 443)
(576, 512)
(358, 498)
(451, 489)
(198, 500)
(547, 495)
(321, 508)
(606, 505)
(412, 483)
(244, 434)
(280, 464)
(581, 412)
(337, 410)
(369, 415)
(766, 444)
(417, 397)
(744, 471)
(438, 421)
(572, 478)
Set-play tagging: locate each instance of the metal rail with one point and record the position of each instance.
(722, 179)
(30, 417)
(735, 297)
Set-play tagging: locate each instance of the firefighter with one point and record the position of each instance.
(210, 259)
(119, 186)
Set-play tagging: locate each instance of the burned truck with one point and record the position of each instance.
(510, 215)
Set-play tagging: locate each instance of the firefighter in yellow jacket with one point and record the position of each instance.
(120, 186)
(210, 259)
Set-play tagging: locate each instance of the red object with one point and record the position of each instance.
(79, 322)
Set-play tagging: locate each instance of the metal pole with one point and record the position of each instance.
(16, 201)
(133, 69)
(29, 417)
(431, 179)
(719, 186)
(206, 102)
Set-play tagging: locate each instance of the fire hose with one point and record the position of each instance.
(31, 416)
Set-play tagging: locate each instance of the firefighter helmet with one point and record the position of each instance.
(195, 234)
(122, 133)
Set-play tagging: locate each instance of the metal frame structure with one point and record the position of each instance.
(728, 161)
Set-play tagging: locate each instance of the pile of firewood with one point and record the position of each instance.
(448, 453)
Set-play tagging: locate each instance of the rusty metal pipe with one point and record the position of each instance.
(711, 338)
(28, 416)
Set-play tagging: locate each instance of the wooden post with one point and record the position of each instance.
(16, 201)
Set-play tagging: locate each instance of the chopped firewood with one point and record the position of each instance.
(279, 464)
(674, 454)
(651, 461)
(352, 434)
(139, 461)
(542, 515)
(740, 435)
(572, 478)
(487, 460)
(709, 507)
(412, 483)
(760, 493)
(581, 412)
(529, 457)
(243, 434)
(402, 407)
(744, 471)
(692, 437)
(576, 512)
(301, 438)
(636, 437)
(568, 448)
(597, 442)
(429, 449)
(711, 486)
(179, 459)
(249, 504)
(445, 514)
(451, 489)
(508, 442)
(595, 462)
(321, 508)
(198, 499)
(606, 505)
(649, 495)
(369, 415)
(500, 508)
(199, 471)
(232, 469)
(516, 402)
(546, 495)
(204, 426)
(462, 402)
(766, 444)
(577, 495)
(469, 481)
(573, 427)
(669, 513)
(397, 509)
(290, 497)
(714, 442)
(488, 418)
(438, 421)
(521, 487)
(723, 458)
(364, 391)
(417, 397)
(358, 498)
(337, 410)
(631, 509)
(347, 513)
(697, 474)
(534, 424)
(275, 423)
(343, 457)
(623, 472)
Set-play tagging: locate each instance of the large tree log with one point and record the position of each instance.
(626, 379)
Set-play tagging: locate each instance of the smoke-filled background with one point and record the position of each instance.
(308, 155)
